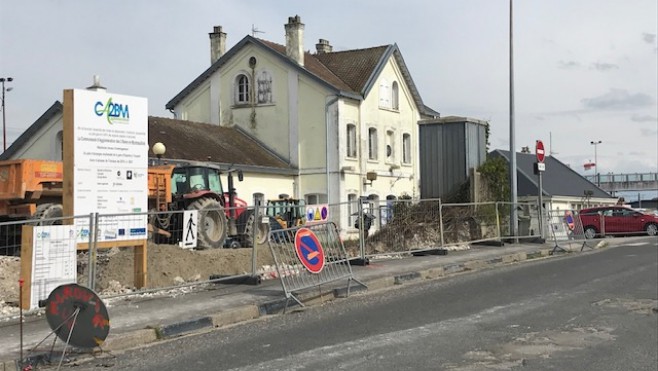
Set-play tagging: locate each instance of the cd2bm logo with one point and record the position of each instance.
(116, 113)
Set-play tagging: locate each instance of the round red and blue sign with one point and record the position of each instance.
(309, 250)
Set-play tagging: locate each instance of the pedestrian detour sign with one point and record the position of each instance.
(309, 250)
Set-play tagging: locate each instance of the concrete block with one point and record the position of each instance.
(474, 264)
(380, 283)
(406, 277)
(184, 327)
(129, 339)
(236, 315)
(432, 273)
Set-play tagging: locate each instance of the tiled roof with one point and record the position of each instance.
(315, 66)
(351, 73)
(353, 66)
(193, 141)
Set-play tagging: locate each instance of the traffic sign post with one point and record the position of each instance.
(540, 167)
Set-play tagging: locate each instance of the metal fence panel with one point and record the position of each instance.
(565, 227)
(322, 250)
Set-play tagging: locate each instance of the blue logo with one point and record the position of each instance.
(137, 231)
(116, 113)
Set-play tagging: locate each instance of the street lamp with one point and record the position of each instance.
(4, 130)
(159, 149)
(596, 161)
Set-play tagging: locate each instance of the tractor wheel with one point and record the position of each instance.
(246, 226)
(211, 223)
(46, 212)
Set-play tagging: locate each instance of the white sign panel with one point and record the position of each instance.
(110, 134)
(53, 260)
(317, 213)
(189, 229)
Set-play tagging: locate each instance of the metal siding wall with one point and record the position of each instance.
(431, 167)
(453, 158)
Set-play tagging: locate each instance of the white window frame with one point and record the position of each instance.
(406, 148)
(390, 141)
(264, 80)
(351, 141)
(242, 82)
(372, 144)
(395, 96)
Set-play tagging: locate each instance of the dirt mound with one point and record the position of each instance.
(167, 266)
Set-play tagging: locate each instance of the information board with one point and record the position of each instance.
(110, 170)
(53, 260)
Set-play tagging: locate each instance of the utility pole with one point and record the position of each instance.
(512, 134)
(596, 161)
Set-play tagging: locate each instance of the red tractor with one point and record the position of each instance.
(223, 219)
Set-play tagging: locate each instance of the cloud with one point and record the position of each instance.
(633, 153)
(648, 132)
(603, 66)
(618, 99)
(649, 38)
(568, 65)
(643, 118)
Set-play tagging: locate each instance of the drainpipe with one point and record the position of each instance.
(326, 140)
(173, 113)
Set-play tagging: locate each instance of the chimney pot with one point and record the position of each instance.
(217, 44)
(295, 39)
(323, 46)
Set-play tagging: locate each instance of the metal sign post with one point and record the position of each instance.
(540, 167)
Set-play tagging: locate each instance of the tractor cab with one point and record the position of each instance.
(188, 180)
(288, 212)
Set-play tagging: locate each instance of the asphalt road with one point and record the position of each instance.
(593, 311)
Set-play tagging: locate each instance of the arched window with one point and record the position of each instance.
(395, 104)
(241, 89)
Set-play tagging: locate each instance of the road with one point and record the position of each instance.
(593, 311)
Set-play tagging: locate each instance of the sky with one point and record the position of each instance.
(584, 70)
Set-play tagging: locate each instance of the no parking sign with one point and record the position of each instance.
(309, 250)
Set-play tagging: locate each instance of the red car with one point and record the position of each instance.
(617, 220)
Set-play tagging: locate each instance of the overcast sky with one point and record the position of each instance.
(584, 70)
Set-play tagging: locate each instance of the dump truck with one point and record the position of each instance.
(32, 189)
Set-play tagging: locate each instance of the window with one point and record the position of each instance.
(406, 148)
(389, 95)
(242, 89)
(390, 145)
(315, 198)
(264, 83)
(352, 208)
(394, 96)
(351, 140)
(372, 144)
(384, 94)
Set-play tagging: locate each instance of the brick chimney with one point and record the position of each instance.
(323, 46)
(217, 43)
(295, 39)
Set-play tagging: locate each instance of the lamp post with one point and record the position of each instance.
(596, 161)
(512, 133)
(159, 149)
(4, 130)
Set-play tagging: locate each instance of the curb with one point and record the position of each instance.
(135, 338)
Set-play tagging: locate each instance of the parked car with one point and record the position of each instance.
(617, 220)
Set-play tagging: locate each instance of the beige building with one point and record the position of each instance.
(334, 116)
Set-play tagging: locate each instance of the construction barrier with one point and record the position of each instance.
(566, 227)
(308, 257)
